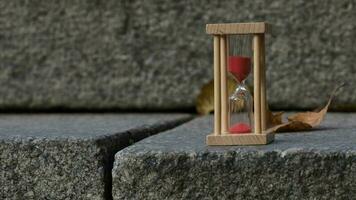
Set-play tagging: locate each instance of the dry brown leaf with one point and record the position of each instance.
(306, 120)
(205, 100)
(290, 127)
(314, 118)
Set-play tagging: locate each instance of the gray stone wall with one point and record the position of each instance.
(155, 54)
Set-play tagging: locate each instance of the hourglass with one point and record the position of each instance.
(239, 117)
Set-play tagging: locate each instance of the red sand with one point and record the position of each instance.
(240, 128)
(239, 67)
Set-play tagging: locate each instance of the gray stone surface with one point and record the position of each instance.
(178, 165)
(155, 54)
(68, 156)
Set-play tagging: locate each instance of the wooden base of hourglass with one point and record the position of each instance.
(240, 139)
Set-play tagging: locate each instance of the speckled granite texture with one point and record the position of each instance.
(68, 156)
(178, 165)
(155, 54)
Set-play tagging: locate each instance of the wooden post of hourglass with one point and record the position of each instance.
(263, 85)
(221, 135)
(257, 82)
(227, 46)
(217, 110)
(224, 92)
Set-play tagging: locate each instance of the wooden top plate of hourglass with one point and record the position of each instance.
(253, 130)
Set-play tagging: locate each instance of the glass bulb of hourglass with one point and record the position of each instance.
(239, 67)
(240, 102)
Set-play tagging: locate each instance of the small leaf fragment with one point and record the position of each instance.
(274, 119)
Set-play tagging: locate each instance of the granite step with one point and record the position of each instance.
(176, 164)
(69, 156)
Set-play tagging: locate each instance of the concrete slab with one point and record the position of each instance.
(68, 156)
(177, 164)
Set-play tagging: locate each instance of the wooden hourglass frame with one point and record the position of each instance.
(221, 135)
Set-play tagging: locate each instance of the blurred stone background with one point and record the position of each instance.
(155, 55)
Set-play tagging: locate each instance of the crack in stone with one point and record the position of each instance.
(109, 146)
